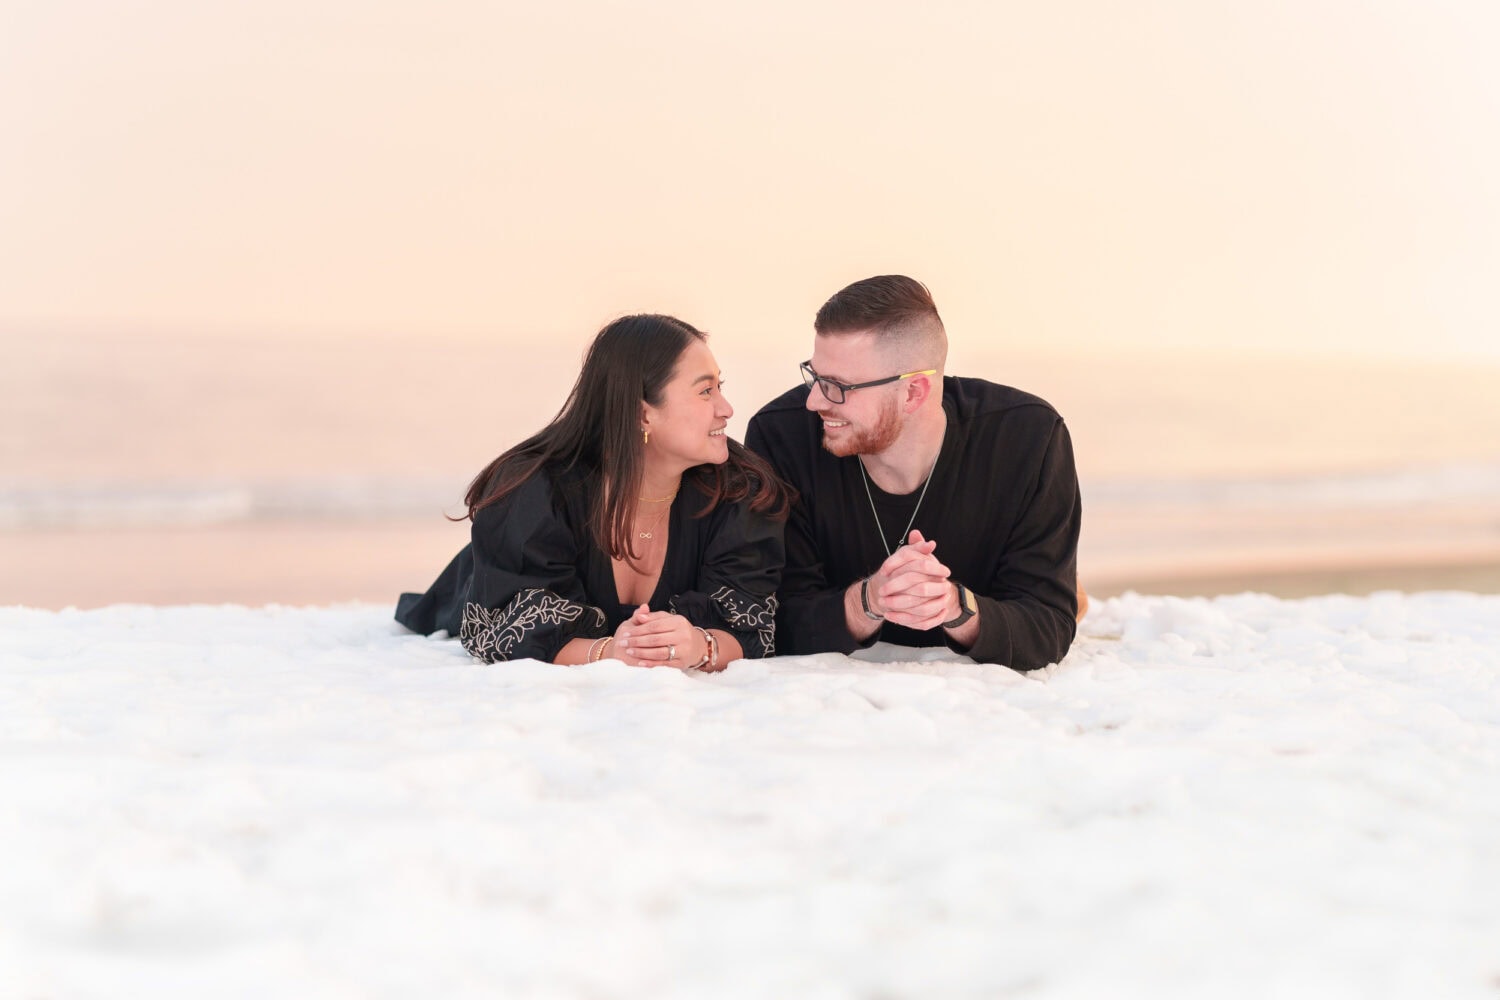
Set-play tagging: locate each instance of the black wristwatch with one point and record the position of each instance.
(967, 606)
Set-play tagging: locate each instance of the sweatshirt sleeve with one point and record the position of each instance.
(525, 599)
(1028, 610)
(736, 586)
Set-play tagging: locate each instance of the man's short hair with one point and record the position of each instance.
(890, 305)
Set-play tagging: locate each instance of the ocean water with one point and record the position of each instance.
(246, 450)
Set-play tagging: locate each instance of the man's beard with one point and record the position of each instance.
(872, 440)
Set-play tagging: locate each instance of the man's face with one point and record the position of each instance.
(868, 421)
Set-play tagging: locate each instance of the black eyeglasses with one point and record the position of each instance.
(836, 391)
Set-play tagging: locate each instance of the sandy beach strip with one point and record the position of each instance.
(279, 562)
(326, 562)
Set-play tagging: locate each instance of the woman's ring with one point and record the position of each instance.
(671, 653)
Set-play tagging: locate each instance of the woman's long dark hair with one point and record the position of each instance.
(598, 430)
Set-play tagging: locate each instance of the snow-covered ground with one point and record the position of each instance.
(1237, 797)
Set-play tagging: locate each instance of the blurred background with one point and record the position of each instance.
(277, 278)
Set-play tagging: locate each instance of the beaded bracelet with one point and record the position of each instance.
(598, 647)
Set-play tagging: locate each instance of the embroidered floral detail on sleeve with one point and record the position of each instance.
(491, 635)
(748, 615)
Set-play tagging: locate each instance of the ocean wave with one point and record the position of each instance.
(181, 505)
(1426, 486)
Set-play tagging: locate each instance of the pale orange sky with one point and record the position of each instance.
(1284, 175)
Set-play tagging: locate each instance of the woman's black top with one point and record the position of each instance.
(533, 578)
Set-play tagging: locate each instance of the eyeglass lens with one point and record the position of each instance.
(832, 391)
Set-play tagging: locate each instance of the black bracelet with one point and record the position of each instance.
(864, 601)
(967, 607)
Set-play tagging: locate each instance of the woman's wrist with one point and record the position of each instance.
(709, 660)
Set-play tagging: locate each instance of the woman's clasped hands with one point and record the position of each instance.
(661, 639)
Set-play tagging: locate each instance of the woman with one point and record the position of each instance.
(630, 528)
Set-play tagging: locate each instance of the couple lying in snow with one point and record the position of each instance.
(880, 500)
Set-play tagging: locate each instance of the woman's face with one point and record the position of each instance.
(688, 428)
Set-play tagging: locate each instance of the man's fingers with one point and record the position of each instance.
(910, 578)
(926, 584)
(901, 559)
(922, 617)
(906, 554)
(910, 605)
(921, 585)
(916, 560)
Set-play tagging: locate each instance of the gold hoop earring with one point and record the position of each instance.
(645, 436)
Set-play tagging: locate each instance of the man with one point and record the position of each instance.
(933, 510)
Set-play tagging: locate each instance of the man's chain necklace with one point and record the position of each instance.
(912, 520)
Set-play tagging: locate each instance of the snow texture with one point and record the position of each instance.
(1231, 797)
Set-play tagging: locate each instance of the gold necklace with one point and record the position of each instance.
(659, 499)
(648, 535)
